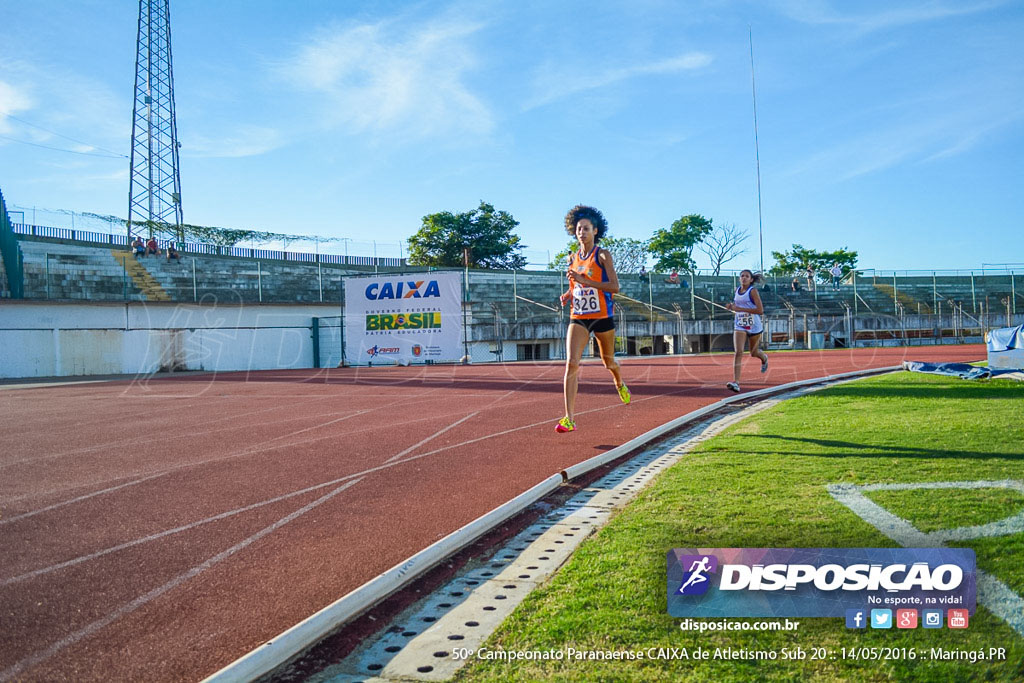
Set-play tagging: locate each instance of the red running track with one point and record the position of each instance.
(157, 530)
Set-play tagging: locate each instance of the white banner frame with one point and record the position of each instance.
(403, 318)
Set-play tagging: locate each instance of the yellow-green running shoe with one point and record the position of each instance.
(624, 393)
(565, 425)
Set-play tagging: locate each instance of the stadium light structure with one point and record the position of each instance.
(154, 189)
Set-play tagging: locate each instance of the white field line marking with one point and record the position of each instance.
(169, 532)
(410, 449)
(88, 630)
(1003, 527)
(993, 594)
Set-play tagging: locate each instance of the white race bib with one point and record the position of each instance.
(744, 320)
(585, 300)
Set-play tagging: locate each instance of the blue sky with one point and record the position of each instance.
(892, 128)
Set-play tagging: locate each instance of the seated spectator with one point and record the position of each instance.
(152, 247)
(673, 279)
(138, 247)
(172, 253)
(643, 272)
(795, 285)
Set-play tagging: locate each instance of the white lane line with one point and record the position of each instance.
(318, 426)
(254, 451)
(79, 499)
(39, 657)
(410, 449)
(251, 451)
(126, 443)
(169, 532)
(131, 441)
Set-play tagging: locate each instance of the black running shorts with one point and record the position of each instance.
(594, 325)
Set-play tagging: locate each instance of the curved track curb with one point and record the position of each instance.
(283, 647)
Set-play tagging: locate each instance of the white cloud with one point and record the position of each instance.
(391, 79)
(72, 104)
(821, 12)
(554, 84)
(12, 100)
(246, 141)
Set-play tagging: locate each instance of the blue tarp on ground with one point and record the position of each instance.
(1006, 338)
(961, 370)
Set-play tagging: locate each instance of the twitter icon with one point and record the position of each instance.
(881, 618)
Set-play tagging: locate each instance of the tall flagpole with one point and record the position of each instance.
(757, 152)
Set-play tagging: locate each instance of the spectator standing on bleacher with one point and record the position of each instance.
(810, 277)
(139, 247)
(152, 247)
(837, 272)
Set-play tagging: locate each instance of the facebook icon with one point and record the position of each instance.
(856, 618)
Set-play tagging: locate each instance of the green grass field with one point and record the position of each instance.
(762, 483)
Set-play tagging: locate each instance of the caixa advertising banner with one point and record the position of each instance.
(817, 582)
(403, 318)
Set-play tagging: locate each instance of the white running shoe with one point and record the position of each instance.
(733, 386)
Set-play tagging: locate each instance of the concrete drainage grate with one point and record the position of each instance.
(419, 645)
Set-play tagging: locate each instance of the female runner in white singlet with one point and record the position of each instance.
(746, 304)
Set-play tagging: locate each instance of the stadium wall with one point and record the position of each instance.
(45, 339)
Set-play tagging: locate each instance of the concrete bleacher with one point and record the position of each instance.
(59, 270)
(198, 277)
(65, 269)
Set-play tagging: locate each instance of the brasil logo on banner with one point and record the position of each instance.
(817, 582)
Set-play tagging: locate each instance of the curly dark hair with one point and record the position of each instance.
(590, 213)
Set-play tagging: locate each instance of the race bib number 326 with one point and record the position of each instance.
(585, 300)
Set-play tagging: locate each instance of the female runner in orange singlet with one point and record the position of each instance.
(592, 281)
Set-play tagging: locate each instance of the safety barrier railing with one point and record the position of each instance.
(207, 249)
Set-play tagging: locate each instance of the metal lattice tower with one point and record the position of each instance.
(154, 191)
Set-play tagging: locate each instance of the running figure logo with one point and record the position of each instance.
(696, 581)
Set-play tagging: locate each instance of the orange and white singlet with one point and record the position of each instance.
(588, 302)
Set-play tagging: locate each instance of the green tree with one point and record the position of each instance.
(627, 253)
(674, 247)
(797, 259)
(487, 234)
